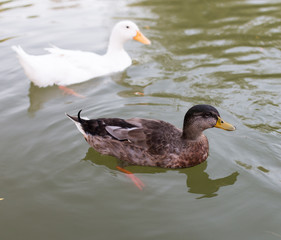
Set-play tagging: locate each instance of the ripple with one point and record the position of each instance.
(224, 53)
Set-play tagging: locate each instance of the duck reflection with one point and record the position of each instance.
(39, 96)
(198, 181)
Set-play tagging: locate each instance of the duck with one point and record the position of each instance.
(151, 142)
(65, 67)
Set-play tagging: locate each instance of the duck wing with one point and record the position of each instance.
(115, 128)
(87, 64)
(60, 66)
(134, 135)
(154, 136)
(80, 59)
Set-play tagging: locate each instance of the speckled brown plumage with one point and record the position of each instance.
(150, 142)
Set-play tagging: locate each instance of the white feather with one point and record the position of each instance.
(65, 67)
(78, 124)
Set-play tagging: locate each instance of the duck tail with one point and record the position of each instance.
(21, 54)
(78, 115)
(18, 49)
(75, 119)
(78, 121)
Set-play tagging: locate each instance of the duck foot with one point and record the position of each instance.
(139, 93)
(135, 180)
(70, 91)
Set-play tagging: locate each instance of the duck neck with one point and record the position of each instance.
(191, 132)
(115, 45)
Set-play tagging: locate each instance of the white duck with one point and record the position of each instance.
(65, 67)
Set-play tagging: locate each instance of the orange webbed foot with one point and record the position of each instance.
(134, 179)
(70, 91)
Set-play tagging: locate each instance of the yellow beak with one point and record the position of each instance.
(141, 38)
(224, 125)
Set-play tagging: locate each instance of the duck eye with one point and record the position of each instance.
(206, 115)
(127, 27)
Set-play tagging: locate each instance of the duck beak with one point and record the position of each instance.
(141, 38)
(224, 125)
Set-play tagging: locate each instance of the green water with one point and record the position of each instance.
(224, 53)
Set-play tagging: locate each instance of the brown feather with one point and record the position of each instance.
(149, 142)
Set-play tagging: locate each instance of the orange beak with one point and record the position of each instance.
(224, 125)
(141, 38)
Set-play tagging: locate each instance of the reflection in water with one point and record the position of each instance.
(62, 4)
(4, 8)
(210, 48)
(6, 39)
(198, 181)
(132, 90)
(38, 96)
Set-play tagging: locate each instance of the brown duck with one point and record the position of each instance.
(149, 142)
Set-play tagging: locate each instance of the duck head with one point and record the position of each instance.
(124, 31)
(201, 117)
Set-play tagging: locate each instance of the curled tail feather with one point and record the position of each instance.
(78, 115)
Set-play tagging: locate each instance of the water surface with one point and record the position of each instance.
(224, 53)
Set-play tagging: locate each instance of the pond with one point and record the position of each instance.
(223, 53)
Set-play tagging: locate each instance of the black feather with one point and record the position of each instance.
(78, 115)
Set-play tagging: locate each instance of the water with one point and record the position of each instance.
(224, 53)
